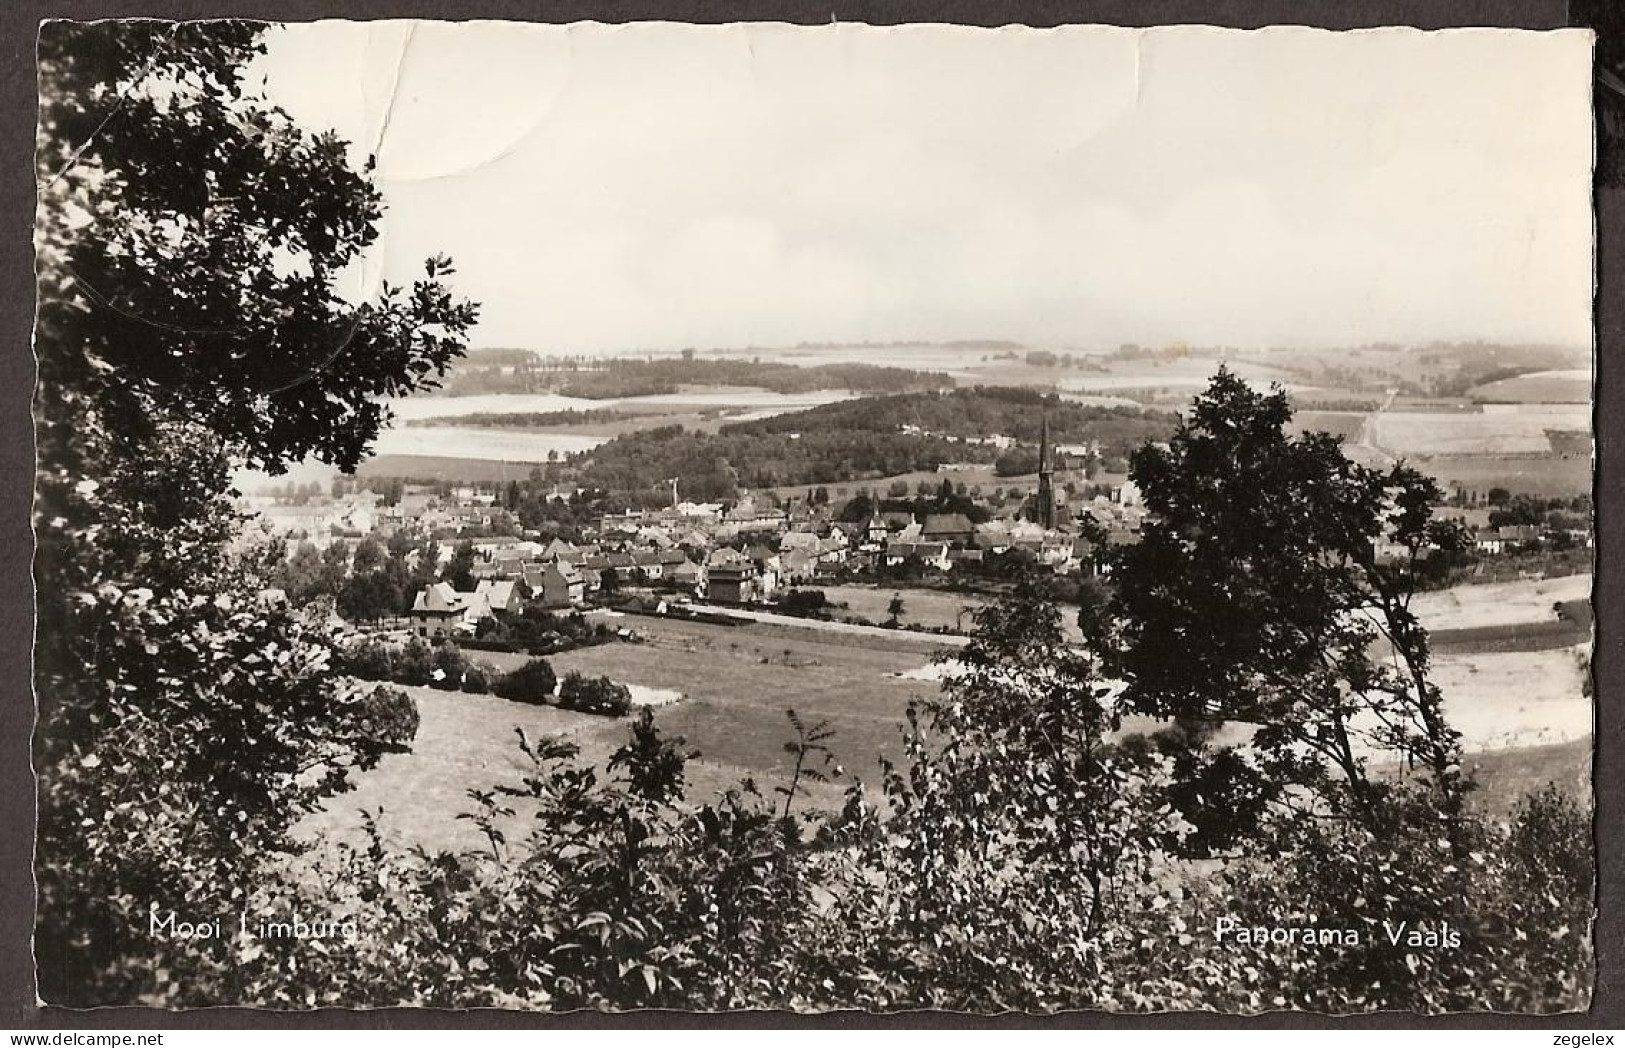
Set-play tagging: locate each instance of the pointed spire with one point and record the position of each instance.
(1046, 462)
(1044, 500)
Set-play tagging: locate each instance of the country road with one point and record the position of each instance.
(1367, 438)
(941, 640)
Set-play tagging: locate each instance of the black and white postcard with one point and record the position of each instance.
(813, 518)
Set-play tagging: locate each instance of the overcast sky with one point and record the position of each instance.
(659, 186)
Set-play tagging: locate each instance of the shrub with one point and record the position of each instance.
(533, 683)
(489, 644)
(368, 660)
(475, 681)
(1503, 916)
(390, 717)
(804, 602)
(414, 664)
(449, 666)
(598, 695)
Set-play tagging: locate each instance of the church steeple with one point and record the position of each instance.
(1045, 503)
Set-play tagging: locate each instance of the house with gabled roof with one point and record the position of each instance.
(832, 548)
(501, 594)
(561, 585)
(439, 610)
(931, 554)
(687, 576)
(953, 528)
(798, 565)
(649, 565)
(558, 549)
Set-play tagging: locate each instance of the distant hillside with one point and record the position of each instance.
(525, 419)
(855, 439)
(960, 343)
(519, 371)
(979, 411)
(492, 356)
(1439, 369)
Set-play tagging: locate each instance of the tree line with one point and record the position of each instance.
(616, 377)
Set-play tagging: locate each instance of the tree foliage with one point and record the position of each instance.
(1018, 858)
(188, 238)
(1272, 572)
(534, 682)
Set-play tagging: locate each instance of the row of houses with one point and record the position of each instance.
(360, 514)
(745, 553)
(1509, 538)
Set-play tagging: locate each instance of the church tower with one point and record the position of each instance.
(1044, 505)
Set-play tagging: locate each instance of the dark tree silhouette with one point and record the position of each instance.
(1271, 571)
(188, 235)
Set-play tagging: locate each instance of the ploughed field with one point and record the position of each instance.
(1523, 715)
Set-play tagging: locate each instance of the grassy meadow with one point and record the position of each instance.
(1523, 715)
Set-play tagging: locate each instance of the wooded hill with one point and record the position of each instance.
(855, 440)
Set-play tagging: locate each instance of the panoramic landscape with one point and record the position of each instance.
(771, 530)
(1503, 430)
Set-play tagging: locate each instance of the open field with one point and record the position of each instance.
(1469, 448)
(738, 681)
(464, 742)
(471, 442)
(1188, 373)
(769, 623)
(1345, 424)
(1499, 603)
(1539, 387)
(1506, 776)
(1522, 714)
(1503, 699)
(1544, 475)
(925, 608)
(1522, 636)
(1500, 429)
